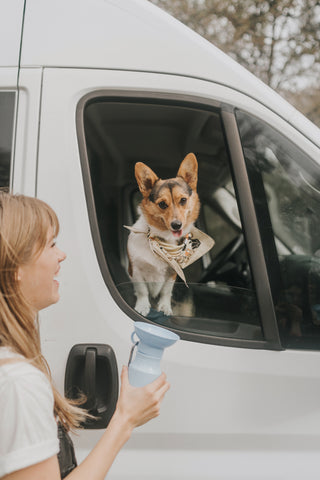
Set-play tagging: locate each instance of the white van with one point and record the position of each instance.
(87, 89)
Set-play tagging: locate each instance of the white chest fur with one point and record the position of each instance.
(150, 274)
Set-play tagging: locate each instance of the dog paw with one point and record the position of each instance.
(165, 308)
(142, 307)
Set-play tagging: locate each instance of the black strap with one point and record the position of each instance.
(66, 455)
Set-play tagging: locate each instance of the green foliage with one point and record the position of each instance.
(277, 40)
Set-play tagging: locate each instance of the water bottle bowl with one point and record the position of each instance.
(154, 336)
(145, 367)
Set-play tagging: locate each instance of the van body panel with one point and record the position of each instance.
(8, 78)
(231, 413)
(229, 409)
(26, 144)
(10, 32)
(134, 35)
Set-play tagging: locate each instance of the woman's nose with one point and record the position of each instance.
(61, 256)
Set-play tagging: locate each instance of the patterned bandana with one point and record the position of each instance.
(193, 246)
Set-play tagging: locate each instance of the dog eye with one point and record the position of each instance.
(183, 201)
(163, 205)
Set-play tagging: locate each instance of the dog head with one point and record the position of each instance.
(170, 206)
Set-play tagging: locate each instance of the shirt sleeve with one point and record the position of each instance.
(28, 430)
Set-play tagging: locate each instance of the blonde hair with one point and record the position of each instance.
(24, 224)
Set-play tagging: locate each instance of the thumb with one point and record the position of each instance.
(124, 376)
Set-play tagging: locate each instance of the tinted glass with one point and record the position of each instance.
(220, 298)
(7, 102)
(288, 181)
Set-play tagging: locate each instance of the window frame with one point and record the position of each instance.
(244, 200)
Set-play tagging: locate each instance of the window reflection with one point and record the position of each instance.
(289, 181)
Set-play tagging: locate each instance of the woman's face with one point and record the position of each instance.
(38, 278)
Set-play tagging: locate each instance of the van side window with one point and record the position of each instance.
(219, 302)
(7, 105)
(286, 184)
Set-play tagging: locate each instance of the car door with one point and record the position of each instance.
(240, 406)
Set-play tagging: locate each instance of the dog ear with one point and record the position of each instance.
(188, 170)
(146, 178)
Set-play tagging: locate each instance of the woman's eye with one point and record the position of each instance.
(183, 201)
(163, 205)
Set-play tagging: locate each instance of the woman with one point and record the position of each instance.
(30, 406)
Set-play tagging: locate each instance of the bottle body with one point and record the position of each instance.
(144, 369)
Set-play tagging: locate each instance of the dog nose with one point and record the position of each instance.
(176, 225)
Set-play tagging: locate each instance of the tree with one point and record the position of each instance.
(277, 40)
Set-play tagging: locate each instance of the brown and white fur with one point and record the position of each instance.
(169, 208)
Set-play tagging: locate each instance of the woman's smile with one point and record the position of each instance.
(38, 279)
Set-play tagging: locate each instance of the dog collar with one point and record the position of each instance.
(193, 246)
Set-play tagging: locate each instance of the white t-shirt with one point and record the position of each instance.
(28, 430)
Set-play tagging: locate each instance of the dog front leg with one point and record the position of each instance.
(141, 292)
(164, 304)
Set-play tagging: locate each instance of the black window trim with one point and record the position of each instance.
(264, 298)
(264, 221)
(251, 230)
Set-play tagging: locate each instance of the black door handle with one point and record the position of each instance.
(90, 365)
(92, 370)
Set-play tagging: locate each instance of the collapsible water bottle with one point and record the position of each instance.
(145, 367)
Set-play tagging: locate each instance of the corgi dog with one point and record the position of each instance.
(167, 211)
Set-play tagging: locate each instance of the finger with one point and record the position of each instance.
(158, 382)
(124, 376)
(163, 390)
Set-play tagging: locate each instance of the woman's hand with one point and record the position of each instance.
(138, 405)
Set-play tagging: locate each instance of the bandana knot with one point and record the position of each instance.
(179, 256)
